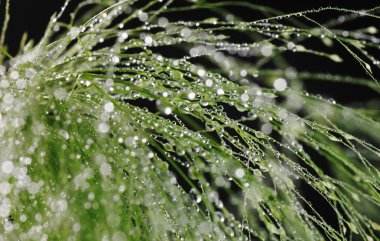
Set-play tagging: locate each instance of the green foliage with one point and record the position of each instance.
(107, 135)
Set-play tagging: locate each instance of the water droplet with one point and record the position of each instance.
(194, 196)
(280, 84)
(115, 59)
(163, 22)
(123, 36)
(168, 147)
(244, 97)
(5, 188)
(74, 32)
(103, 128)
(220, 92)
(20, 84)
(266, 129)
(143, 16)
(208, 82)
(259, 134)
(5, 208)
(7, 167)
(266, 50)
(14, 74)
(109, 107)
(352, 227)
(148, 40)
(201, 72)
(191, 96)
(185, 32)
(105, 169)
(167, 110)
(239, 173)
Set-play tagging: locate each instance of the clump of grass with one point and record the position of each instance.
(105, 134)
